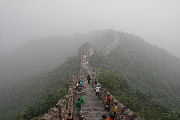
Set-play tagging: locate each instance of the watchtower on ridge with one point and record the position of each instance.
(86, 50)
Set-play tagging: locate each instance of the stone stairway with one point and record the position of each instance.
(93, 109)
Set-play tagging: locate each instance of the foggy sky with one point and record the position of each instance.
(157, 21)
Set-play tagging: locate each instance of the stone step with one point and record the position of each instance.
(93, 108)
(95, 113)
(95, 103)
(93, 118)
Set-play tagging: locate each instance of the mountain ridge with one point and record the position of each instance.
(144, 65)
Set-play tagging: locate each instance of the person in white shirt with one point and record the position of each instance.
(97, 90)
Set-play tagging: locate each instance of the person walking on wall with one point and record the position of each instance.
(78, 106)
(97, 90)
(108, 103)
(88, 79)
(115, 110)
(69, 117)
(95, 82)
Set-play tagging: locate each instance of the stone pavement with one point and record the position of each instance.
(93, 109)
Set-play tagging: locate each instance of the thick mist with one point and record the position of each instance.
(38, 42)
(157, 21)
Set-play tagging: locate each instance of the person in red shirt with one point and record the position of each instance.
(108, 103)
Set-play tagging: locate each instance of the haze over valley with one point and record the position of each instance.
(39, 53)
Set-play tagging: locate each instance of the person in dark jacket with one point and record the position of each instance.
(88, 79)
(95, 82)
(69, 117)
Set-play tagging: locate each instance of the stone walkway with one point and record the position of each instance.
(93, 109)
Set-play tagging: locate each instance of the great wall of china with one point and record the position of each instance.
(93, 108)
(113, 45)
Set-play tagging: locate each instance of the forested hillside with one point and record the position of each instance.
(39, 92)
(145, 106)
(148, 68)
(37, 57)
(32, 59)
(44, 54)
(28, 76)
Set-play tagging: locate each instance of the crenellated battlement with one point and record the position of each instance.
(64, 105)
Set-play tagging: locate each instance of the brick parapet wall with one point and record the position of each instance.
(123, 112)
(63, 107)
(113, 45)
